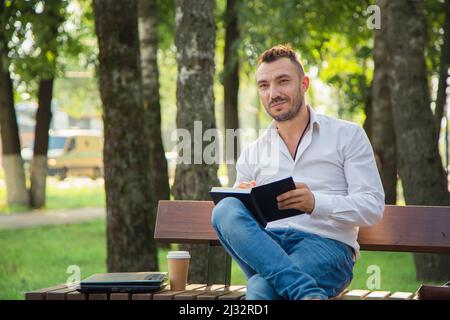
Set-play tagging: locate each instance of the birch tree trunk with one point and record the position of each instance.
(147, 17)
(195, 42)
(16, 190)
(441, 98)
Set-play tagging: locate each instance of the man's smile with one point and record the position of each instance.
(278, 103)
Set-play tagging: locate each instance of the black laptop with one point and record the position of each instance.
(123, 282)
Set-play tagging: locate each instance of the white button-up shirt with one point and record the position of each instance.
(336, 161)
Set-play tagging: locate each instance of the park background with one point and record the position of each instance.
(114, 67)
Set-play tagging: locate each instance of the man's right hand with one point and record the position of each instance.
(246, 185)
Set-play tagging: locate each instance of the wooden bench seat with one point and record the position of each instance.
(197, 292)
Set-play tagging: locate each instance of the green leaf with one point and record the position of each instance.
(50, 56)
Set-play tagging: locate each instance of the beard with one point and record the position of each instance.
(291, 112)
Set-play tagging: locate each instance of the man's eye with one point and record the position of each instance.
(284, 81)
(263, 86)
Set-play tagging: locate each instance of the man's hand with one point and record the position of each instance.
(246, 185)
(300, 198)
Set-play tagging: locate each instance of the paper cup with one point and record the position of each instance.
(178, 262)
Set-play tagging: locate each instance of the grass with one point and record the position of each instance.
(75, 197)
(70, 193)
(39, 257)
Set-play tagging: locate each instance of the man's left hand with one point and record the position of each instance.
(300, 198)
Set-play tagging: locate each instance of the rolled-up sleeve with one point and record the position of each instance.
(364, 203)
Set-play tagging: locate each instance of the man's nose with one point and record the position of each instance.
(274, 91)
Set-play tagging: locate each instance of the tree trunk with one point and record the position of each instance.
(368, 111)
(231, 85)
(195, 42)
(441, 97)
(16, 189)
(383, 132)
(147, 12)
(419, 162)
(129, 192)
(38, 168)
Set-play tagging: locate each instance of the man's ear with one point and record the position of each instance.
(305, 83)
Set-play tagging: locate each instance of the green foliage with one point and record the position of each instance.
(166, 24)
(331, 36)
(435, 17)
(41, 35)
(307, 25)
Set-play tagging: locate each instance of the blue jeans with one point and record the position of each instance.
(282, 263)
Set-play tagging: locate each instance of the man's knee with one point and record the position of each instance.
(259, 288)
(225, 211)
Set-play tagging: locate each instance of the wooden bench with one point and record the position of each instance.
(403, 229)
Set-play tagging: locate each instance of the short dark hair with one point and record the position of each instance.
(281, 51)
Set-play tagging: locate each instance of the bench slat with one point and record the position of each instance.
(409, 229)
(169, 294)
(142, 296)
(185, 221)
(193, 294)
(98, 296)
(60, 294)
(401, 296)
(355, 294)
(234, 295)
(119, 296)
(403, 228)
(41, 294)
(377, 295)
(213, 295)
(76, 295)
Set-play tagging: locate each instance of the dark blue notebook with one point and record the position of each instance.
(261, 200)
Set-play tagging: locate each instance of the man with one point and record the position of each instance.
(308, 256)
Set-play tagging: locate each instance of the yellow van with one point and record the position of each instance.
(82, 155)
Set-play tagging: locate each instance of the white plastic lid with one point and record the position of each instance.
(178, 255)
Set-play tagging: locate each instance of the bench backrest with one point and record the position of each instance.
(403, 228)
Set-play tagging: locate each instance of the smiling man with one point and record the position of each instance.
(309, 256)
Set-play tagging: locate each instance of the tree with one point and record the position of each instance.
(444, 66)
(147, 12)
(46, 35)
(231, 81)
(38, 167)
(383, 133)
(17, 193)
(419, 163)
(195, 42)
(129, 191)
